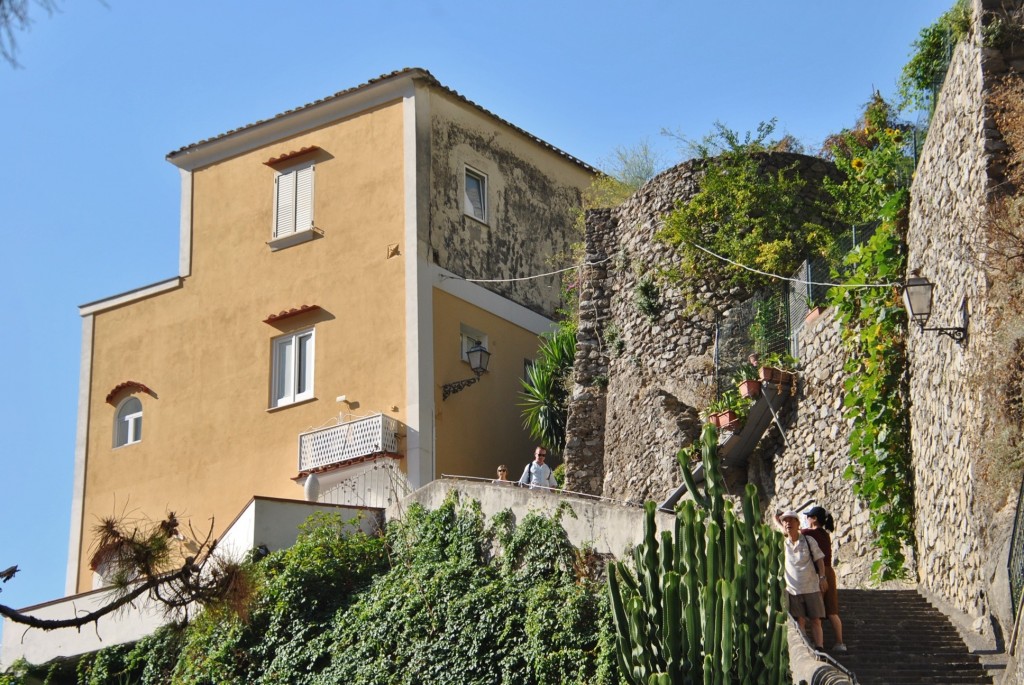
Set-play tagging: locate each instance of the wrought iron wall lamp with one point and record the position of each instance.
(917, 298)
(479, 358)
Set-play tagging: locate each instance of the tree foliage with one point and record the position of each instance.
(924, 72)
(744, 212)
(154, 559)
(15, 18)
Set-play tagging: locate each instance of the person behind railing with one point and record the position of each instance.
(803, 557)
(502, 478)
(537, 474)
(821, 524)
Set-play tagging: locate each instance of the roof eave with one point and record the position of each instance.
(294, 122)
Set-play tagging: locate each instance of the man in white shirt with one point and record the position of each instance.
(537, 474)
(805, 576)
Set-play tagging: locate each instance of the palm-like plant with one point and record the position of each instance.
(545, 394)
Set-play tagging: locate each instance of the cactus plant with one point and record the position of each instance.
(705, 603)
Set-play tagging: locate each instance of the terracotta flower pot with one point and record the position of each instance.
(725, 420)
(750, 388)
(813, 314)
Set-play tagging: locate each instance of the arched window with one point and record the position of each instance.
(128, 422)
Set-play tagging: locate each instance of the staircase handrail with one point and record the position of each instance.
(1015, 560)
(819, 655)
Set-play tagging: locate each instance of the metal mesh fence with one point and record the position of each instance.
(771, 321)
(760, 326)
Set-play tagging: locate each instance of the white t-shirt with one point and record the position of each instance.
(801, 573)
(538, 475)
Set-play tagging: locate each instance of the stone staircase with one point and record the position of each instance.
(896, 637)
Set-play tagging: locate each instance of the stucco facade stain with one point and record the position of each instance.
(530, 211)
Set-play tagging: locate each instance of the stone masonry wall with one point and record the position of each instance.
(651, 373)
(948, 197)
(807, 467)
(584, 448)
(636, 399)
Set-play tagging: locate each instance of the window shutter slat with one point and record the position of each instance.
(304, 199)
(284, 221)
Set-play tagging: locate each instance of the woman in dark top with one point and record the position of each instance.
(821, 524)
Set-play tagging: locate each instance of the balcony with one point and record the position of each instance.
(346, 442)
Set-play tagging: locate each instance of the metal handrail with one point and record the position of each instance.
(1015, 562)
(819, 655)
(562, 491)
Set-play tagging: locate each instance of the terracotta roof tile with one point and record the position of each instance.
(274, 318)
(133, 386)
(426, 75)
(290, 155)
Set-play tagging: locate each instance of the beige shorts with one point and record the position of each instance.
(809, 605)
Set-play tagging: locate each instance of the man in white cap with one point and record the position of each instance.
(805, 576)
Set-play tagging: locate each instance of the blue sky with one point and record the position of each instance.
(90, 207)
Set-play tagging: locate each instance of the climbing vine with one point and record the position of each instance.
(874, 327)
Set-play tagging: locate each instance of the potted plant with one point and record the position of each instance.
(716, 411)
(727, 412)
(779, 367)
(814, 310)
(747, 380)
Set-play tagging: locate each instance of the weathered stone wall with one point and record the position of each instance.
(651, 372)
(646, 387)
(806, 467)
(947, 202)
(584, 449)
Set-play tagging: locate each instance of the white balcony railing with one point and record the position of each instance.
(347, 441)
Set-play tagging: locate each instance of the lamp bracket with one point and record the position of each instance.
(449, 389)
(958, 334)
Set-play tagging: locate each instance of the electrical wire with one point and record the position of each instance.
(793, 280)
(526, 278)
(699, 247)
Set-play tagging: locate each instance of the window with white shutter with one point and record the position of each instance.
(293, 201)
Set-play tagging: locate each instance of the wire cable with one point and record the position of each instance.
(699, 247)
(793, 280)
(526, 278)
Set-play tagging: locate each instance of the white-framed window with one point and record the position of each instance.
(468, 337)
(128, 422)
(475, 203)
(292, 373)
(293, 200)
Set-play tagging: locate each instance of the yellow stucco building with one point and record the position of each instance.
(321, 308)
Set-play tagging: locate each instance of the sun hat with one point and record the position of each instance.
(789, 515)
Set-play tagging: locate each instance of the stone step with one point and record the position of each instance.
(896, 637)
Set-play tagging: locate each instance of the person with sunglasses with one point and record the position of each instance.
(502, 478)
(537, 474)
